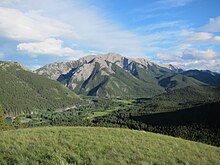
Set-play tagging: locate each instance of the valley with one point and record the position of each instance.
(155, 99)
(113, 82)
(190, 119)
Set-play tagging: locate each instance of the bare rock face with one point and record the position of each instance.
(53, 71)
(94, 72)
(86, 64)
(173, 68)
(84, 72)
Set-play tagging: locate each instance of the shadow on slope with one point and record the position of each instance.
(207, 114)
(198, 123)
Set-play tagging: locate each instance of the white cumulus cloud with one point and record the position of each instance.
(50, 46)
(192, 59)
(200, 64)
(213, 25)
(77, 22)
(25, 26)
(203, 38)
(199, 54)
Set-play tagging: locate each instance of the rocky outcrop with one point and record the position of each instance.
(85, 65)
(5, 64)
(173, 68)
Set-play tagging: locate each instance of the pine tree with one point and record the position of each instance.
(3, 124)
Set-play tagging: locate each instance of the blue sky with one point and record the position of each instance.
(185, 33)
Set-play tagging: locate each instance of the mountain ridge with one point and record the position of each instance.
(114, 75)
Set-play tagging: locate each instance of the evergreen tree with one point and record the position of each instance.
(3, 124)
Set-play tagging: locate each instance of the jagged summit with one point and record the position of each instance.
(87, 64)
(115, 75)
(173, 68)
(113, 58)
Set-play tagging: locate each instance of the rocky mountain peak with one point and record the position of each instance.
(5, 64)
(86, 65)
(88, 59)
(113, 57)
(173, 68)
(115, 75)
(142, 61)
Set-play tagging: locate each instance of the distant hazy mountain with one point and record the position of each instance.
(24, 91)
(205, 76)
(116, 76)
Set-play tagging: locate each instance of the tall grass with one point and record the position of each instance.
(85, 145)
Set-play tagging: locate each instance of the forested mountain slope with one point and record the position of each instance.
(24, 91)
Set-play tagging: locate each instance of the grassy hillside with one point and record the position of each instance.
(78, 145)
(24, 91)
(179, 81)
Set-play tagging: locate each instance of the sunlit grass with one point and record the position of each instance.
(84, 145)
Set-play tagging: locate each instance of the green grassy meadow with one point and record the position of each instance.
(87, 145)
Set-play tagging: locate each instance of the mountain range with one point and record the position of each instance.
(110, 75)
(113, 75)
